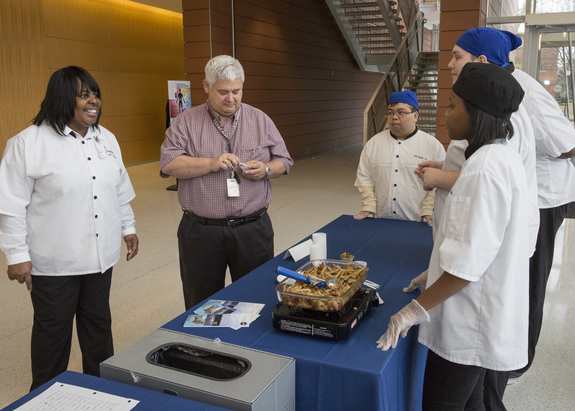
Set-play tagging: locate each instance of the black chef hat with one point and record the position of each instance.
(490, 88)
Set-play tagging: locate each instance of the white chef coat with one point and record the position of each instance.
(64, 201)
(523, 141)
(388, 165)
(482, 238)
(554, 135)
(454, 159)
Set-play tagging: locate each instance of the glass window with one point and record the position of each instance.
(553, 6)
(516, 56)
(555, 68)
(506, 8)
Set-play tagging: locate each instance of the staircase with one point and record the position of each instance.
(373, 29)
(423, 82)
(386, 36)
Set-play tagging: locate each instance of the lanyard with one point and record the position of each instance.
(221, 128)
(232, 132)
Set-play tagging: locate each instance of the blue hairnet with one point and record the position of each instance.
(492, 43)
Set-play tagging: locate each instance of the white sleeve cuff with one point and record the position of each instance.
(128, 231)
(17, 258)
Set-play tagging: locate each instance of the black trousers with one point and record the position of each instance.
(207, 250)
(56, 300)
(448, 386)
(494, 386)
(550, 219)
(539, 269)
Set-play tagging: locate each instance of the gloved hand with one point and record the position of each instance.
(412, 314)
(418, 282)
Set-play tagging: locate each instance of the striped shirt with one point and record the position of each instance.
(194, 134)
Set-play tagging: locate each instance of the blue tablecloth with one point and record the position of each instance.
(149, 400)
(350, 374)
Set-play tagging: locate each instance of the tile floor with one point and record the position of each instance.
(146, 291)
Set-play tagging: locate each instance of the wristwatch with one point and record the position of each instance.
(268, 172)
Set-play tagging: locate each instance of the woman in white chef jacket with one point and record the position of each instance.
(64, 208)
(474, 311)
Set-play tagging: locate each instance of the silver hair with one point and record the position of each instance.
(223, 68)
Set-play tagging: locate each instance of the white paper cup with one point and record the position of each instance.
(316, 253)
(320, 239)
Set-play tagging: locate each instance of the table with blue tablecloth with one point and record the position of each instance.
(148, 400)
(352, 373)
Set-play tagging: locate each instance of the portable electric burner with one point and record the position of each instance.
(332, 325)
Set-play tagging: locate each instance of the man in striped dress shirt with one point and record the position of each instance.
(223, 153)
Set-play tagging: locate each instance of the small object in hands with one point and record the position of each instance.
(246, 166)
(346, 257)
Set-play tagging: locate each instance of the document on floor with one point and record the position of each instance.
(67, 397)
(234, 321)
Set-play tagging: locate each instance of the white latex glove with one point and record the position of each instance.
(418, 282)
(410, 315)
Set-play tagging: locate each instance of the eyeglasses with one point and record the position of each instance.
(400, 114)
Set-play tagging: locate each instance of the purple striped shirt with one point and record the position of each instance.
(194, 134)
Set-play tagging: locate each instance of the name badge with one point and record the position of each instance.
(103, 151)
(233, 188)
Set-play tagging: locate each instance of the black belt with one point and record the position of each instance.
(226, 222)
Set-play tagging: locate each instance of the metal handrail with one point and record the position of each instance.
(394, 78)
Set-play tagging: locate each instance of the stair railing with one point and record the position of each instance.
(397, 74)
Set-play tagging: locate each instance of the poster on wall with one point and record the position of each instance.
(179, 97)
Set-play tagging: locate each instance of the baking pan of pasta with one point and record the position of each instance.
(297, 293)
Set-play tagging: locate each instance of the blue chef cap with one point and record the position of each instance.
(492, 43)
(406, 96)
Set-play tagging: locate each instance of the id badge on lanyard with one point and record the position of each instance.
(233, 185)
